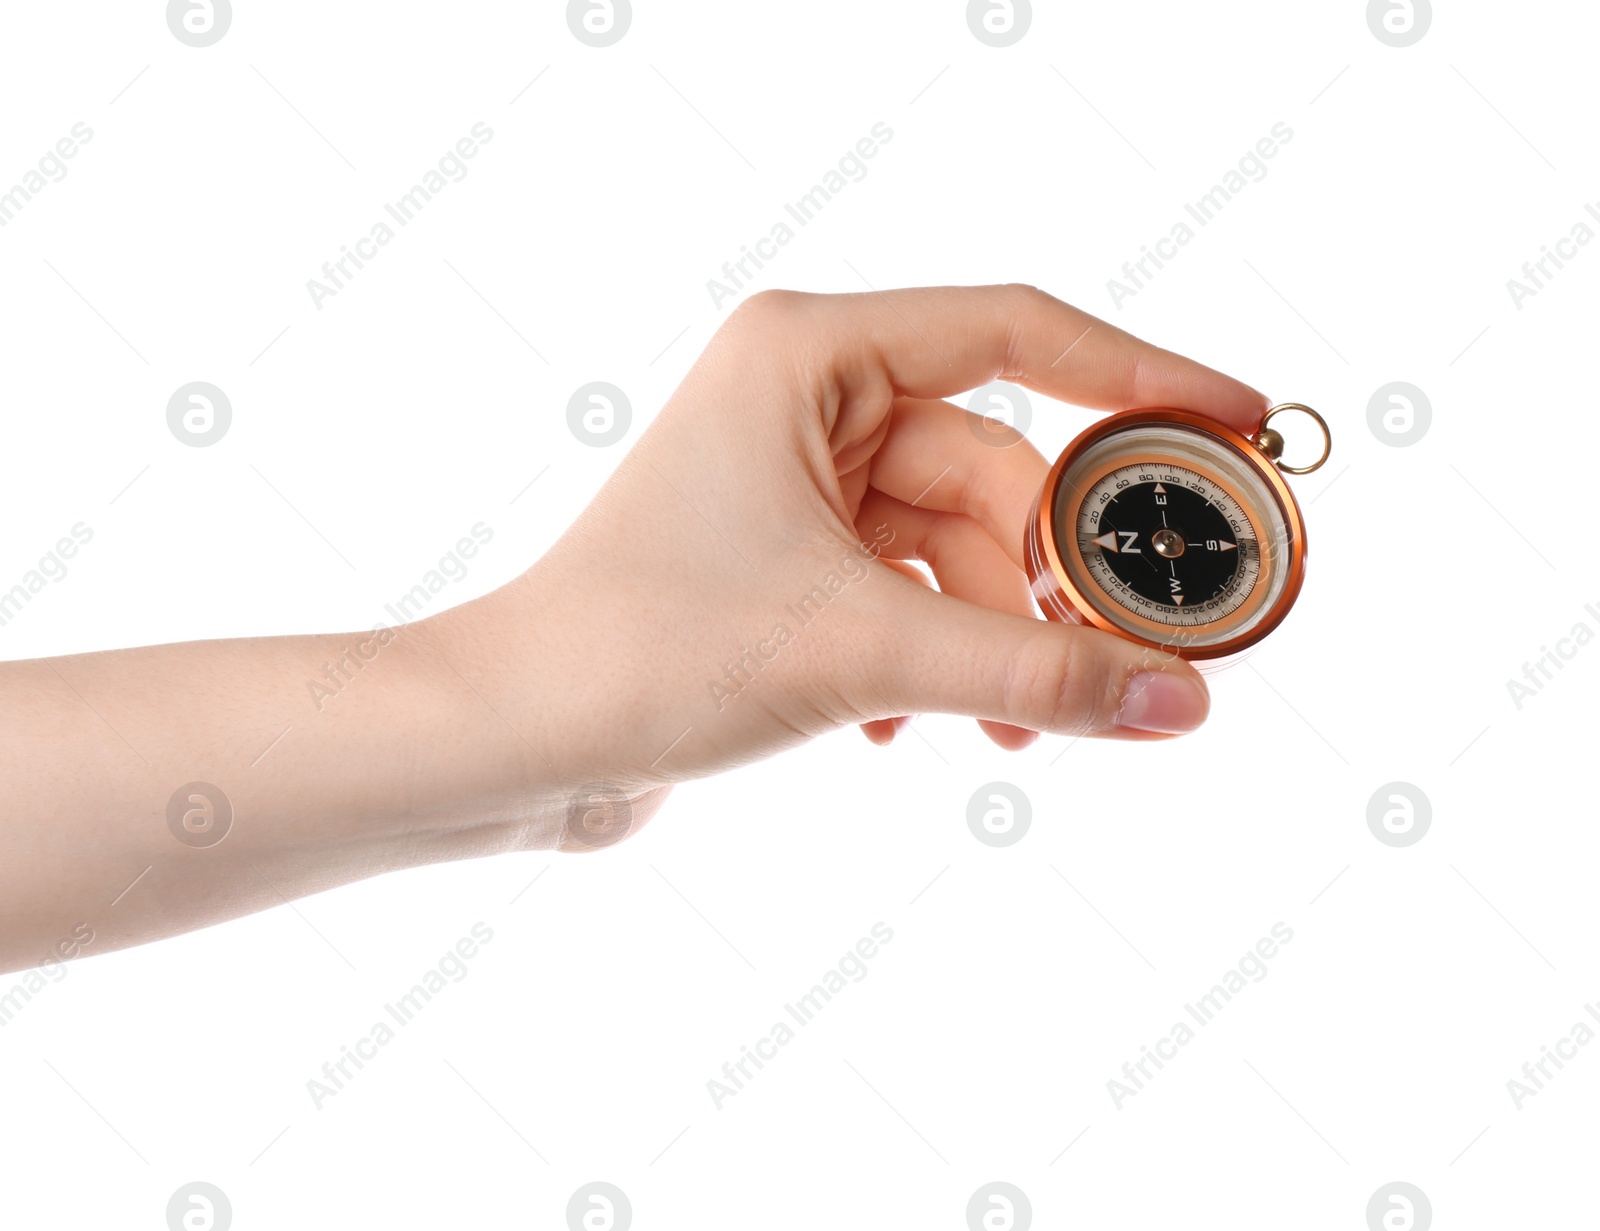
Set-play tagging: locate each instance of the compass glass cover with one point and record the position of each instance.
(1172, 535)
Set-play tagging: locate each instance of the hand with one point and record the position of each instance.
(739, 585)
(736, 588)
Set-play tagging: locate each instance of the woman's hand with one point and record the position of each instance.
(735, 588)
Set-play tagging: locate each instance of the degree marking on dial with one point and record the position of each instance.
(1171, 596)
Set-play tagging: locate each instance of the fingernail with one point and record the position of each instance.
(1163, 702)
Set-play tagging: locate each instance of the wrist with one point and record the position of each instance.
(472, 743)
(550, 773)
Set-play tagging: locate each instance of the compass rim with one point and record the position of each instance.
(1059, 596)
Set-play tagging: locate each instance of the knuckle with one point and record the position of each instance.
(1065, 685)
(769, 307)
(1026, 296)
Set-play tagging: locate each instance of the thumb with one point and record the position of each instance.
(940, 654)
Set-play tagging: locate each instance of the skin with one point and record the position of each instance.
(808, 442)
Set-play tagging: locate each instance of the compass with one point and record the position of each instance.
(1172, 530)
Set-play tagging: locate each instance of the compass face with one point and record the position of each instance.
(1168, 543)
(1169, 532)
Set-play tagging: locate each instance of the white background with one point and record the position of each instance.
(1019, 980)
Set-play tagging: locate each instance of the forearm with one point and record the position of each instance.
(334, 758)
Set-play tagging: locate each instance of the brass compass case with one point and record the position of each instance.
(1234, 525)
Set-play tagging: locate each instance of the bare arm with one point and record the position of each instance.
(219, 778)
(736, 589)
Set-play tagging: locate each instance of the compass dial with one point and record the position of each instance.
(1168, 543)
(1167, 528)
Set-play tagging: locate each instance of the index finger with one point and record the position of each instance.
(933, 342)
